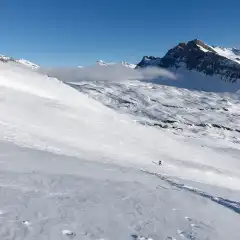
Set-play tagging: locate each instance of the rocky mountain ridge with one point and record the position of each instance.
(198, 56)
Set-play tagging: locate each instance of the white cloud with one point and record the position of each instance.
(115, 72)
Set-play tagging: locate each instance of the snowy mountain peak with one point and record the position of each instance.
(126, 64)
(102, 63)
(201, 57)
(201, 45)
(130, 65)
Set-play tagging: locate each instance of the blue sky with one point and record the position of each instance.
(79, 32)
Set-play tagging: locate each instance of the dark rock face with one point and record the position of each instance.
(196, 55)
(6, 59)
(149, 61)
(236, 51)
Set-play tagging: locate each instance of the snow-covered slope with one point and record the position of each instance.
(48, 109)
(28, 63)
(194, 114)
(196, 56)
(24, 62)
(230, 53)
(73, 168)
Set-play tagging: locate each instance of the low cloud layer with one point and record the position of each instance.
(116, 72)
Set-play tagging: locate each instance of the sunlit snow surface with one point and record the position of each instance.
(185, 112)
(230, 53)
(72, 168)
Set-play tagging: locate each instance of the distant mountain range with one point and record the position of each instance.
(126, 64)
(197, 66)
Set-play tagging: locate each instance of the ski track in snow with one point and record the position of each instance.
(70, 168)
(43, 202)
(232, 205)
